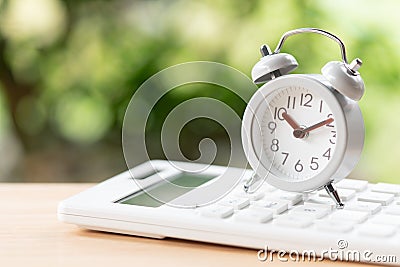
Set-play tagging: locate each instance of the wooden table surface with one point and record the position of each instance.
(31, 235)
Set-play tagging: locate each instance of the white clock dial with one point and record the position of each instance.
(298, 133)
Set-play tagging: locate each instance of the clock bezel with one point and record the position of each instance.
(255, 112)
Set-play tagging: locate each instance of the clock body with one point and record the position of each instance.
(327, 153)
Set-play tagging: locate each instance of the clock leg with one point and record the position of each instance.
(253, 179)
(334, 195)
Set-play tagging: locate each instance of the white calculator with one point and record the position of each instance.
(367, 229)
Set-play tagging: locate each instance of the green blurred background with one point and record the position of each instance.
(68, 69)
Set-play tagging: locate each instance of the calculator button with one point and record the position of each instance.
(358, 185)
(251, 215)
(320, 202)
(386, 188)
(277, 206)
(394, 210)
(236, 203)
(216, 211)
(386, 219)
(350, 215)
(266, 187)
(377, 230)
(251, 196)
(334, 226)
(370, 207)
(345, 194)
(293, 198)
(375, 197)
(293, 221)
(310, 211)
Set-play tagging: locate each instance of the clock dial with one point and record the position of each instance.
(298, 133)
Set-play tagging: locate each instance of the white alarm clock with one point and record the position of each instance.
(304, 132)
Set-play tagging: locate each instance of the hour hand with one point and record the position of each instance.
(291, 121)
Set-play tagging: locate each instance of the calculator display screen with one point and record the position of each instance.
(167, 190)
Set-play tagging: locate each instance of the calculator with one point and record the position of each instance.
(266, 219)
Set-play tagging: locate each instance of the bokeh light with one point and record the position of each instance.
(68, 69)
(38, 21)
(82, 119)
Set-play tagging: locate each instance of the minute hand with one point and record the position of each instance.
(317, 125)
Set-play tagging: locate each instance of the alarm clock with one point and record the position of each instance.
(303, 132)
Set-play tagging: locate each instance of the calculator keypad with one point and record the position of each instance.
(370, 210)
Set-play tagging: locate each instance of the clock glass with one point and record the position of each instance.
(298, 133)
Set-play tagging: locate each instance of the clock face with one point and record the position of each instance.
(299, 133)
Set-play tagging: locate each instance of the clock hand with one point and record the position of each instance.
(317, 125)
(291, 121)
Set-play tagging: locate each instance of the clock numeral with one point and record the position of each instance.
(327, 154)
(272, 126)
(314, 164)
(275, 145)
(333, 136)
(330, 124)
(291, 102)
(320, 106)
(286, 156)
(298, 166)
(278, 113)
(305, 100)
